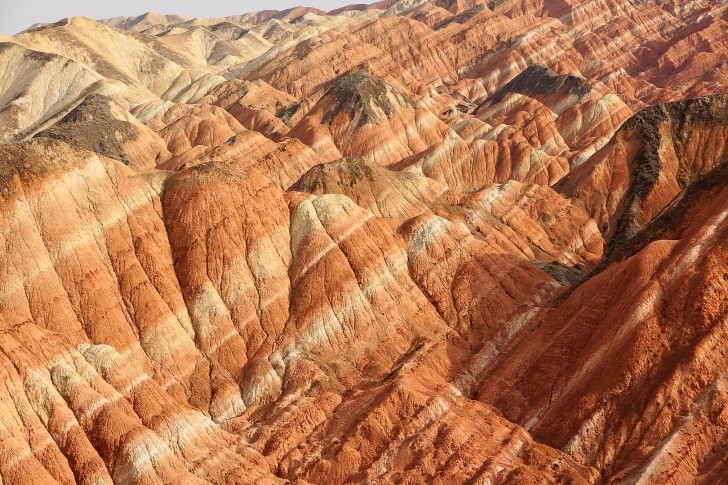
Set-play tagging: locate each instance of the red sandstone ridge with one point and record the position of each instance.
(446, 241)
(362, 115)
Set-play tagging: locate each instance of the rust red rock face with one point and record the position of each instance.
(452, 241)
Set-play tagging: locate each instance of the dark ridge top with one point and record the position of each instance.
(346, 171)
(34, 158)
(39, 27)
(92, 125)
(680, 115)
(563, 274)
(30, 53)
(95, 107)
(462, 17)
(223, 27)
(539, 79)
(287, 113)
(358, 92)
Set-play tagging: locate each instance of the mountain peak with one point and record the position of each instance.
(366, 96)
(539, 79)
(416, 241)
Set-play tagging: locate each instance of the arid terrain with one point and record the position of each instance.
(418, 241)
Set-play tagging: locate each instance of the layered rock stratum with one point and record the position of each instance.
(417, 241)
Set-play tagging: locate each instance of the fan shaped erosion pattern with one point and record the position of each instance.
(416, 241)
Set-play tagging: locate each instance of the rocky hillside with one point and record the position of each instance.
(417, 241)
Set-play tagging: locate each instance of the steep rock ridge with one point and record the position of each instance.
(543, 226)
(671, 220)
(351, 453)
(99, 124)
(364, 95)
(533, 222)
(398, 243)
(513, 42)
(71, 59)
(467, 264)
(602, 51)
(462, 17)
(228, 30)
(651, 159)
(579, 115)
(130, 381)
(359, 345)
(29, 97)
(296, 72)
(540, 81)
(394, 61)
(360, 110)
(207, 48)
(390, 60)
(653, 412)
(650, 326)
(517, 8)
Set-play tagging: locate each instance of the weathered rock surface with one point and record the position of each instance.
(362, 115)
(383, 192)
(99, 124)
(649, 162)
(630, 364)
(446, 241)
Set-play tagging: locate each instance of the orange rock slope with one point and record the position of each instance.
(406, 242)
